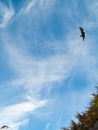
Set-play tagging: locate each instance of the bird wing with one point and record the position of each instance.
(4, 127)
(81, 30)
(63, 128)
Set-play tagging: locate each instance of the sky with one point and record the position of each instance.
(47, 73)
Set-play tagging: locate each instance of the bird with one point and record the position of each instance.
(3, 127)
(82, 33)
(63, 128)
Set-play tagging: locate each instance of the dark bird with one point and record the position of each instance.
(63, 128)
(3, 127)
(82, 33)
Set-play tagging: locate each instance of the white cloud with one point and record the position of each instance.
(55, 67)
(6, 14)
(27, 7)
(30, 5)
(39, 4)
(16, 115)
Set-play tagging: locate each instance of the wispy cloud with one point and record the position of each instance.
(40, 4)
(6, 14)
(16, 115)
(30, 5)
(33, 72)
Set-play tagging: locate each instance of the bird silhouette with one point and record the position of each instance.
(4, 127)
(63, 128)
(82, 33)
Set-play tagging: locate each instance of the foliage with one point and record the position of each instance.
(87, 120)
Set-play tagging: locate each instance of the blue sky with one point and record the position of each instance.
(47, 73)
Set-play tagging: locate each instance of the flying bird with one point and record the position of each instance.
(4, 127)
(63, 128)
(82, 33)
